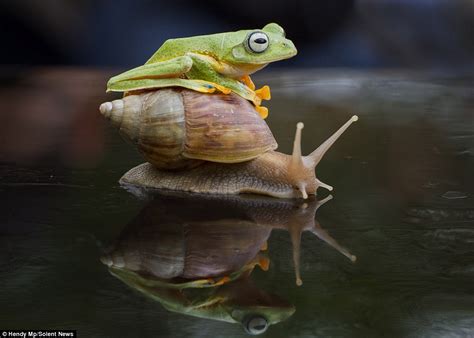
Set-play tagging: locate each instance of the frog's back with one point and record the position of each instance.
(214, 44)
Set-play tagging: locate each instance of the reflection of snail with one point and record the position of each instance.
(211, 143)
(199, 263)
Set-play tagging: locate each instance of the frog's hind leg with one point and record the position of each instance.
(146, 84)
(172, 68)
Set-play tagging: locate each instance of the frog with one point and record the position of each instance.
(221, 62)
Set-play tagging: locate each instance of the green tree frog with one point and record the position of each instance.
(207, 63)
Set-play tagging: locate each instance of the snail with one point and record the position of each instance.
(211, 143)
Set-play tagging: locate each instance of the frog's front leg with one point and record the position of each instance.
(263, 93)
(207, 68)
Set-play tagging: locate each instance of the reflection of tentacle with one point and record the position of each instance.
(304, 219)
(322, 202)
(323, 235)
(295, 234)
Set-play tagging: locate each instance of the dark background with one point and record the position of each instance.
(337, 33)
(404, 189)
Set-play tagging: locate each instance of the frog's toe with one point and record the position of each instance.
(263, 111)
(248, 82)
(223, 89)
(264, 263)
(222, 281)
(264, 93)
(203, 282)
(206, 89)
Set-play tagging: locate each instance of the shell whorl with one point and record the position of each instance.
(123, 114)
(154, 122)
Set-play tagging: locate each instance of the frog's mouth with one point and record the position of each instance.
(236, 71)
(262, 61)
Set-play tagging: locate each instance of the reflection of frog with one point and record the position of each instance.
(195, 256)
(209, 62)
(239, 301)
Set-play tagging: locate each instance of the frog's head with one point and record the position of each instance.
(257, 318)
(261, 46)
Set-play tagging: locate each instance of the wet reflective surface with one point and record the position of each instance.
(403, 204)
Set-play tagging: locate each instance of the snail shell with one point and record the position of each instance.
(179, 128)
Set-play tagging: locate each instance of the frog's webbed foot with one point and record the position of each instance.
(264, 93)
(255, 97)
(209, 87)
(261, 260)
(262, 111)
(248, 81)
(264, 263)
(222, 281)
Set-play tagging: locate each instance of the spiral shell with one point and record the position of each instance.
(179, 128)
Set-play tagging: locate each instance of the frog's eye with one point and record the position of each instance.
(257, 42)
(255, 325)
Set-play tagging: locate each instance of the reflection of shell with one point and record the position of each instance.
(219, 249)
(168, 240)
(176, 128)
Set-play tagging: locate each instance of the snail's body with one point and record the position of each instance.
(260, 175)
(211, 143)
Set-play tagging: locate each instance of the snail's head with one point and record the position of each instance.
(301, 169)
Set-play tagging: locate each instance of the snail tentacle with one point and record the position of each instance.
(301, 169)
(318, 154)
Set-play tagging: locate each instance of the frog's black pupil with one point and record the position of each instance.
(260, 41)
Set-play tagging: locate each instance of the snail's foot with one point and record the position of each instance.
(248, 82)
(264, 93)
